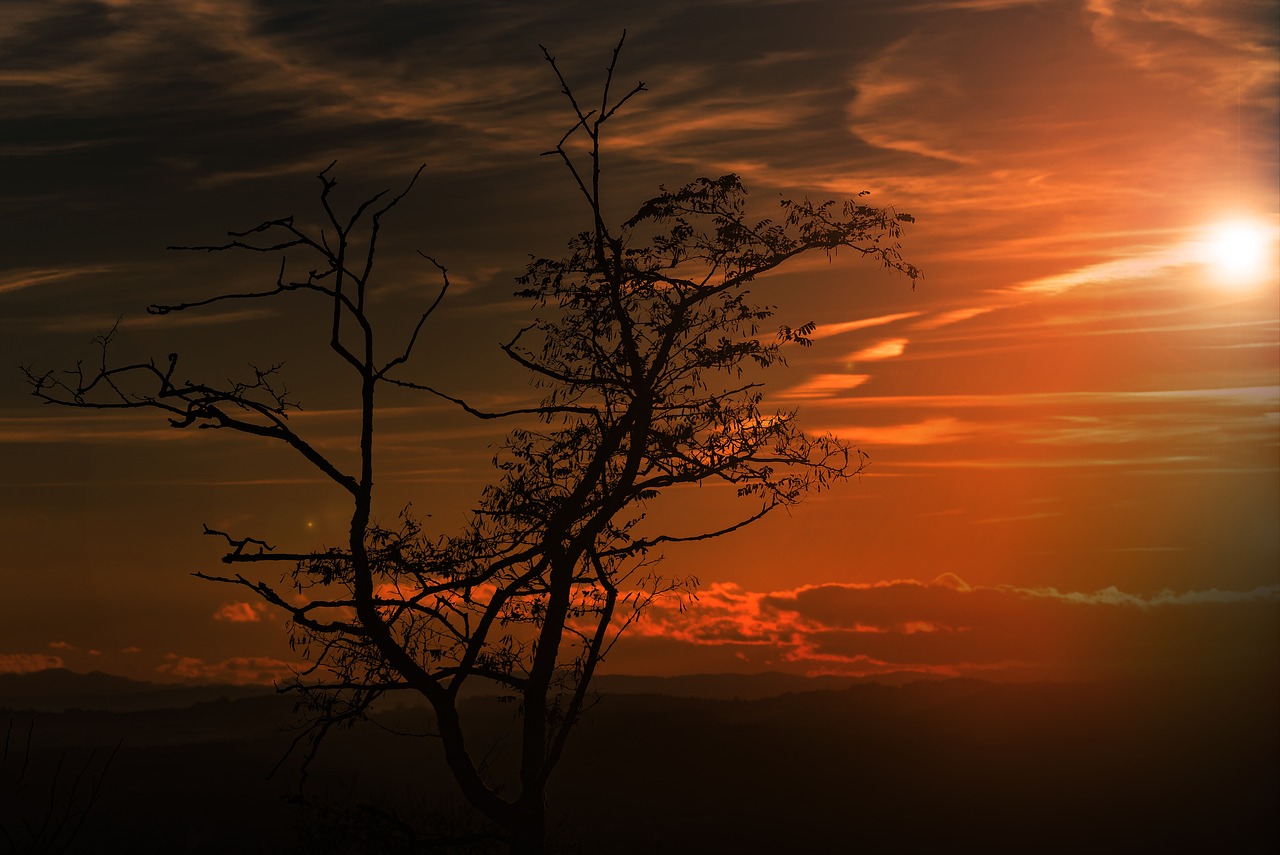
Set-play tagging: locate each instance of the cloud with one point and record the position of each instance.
(25, 663)
(947, 626)
(955, 316)
(62, 645)
(969, 5)
(825, 385)
(927, 432)
(1226, 396)
(887, 349)
(883, 85)
(1225, 48)
(99, 428)
(1038, 515)
(1113, 596)
(240, 612)
(1193, 429)
(36, 277)
(99, 323)
(1133, 265)
(238, 670)
(828, 330)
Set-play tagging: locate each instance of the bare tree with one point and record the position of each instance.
(649, 352)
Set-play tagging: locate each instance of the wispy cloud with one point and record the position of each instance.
(954, 316)
(39, 277)
(1209, 249)
(1134, 265)
(927, 432)
(824, 386)
(1225, 49)
(887, 349)
(1242, 396)
(969, 5)
(839, 328)
(1194, 429)
(100, 323)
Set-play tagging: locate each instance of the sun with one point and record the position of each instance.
(1239, 253)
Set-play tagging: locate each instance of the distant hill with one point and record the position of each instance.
(58, 689)
(745, 687)
(954, 766)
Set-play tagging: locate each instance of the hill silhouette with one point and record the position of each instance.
(950, 765)
(56, 689)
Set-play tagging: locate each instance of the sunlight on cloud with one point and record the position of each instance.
(886, 349)
(23, 663)
(828, 330)
(907, 624)
(825, 385)
(240, 612)
(927, 432)
(1238, 252)
(953, 317)
(1143, 265)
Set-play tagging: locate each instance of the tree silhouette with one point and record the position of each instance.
(648, 350)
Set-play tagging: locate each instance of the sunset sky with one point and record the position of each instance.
(1073, 420)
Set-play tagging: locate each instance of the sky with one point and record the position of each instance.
(1072, 420)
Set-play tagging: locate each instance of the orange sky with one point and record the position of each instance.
(1073, 420)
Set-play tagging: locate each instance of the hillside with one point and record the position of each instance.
(955, 766)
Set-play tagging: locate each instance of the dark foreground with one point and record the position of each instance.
(949, 766)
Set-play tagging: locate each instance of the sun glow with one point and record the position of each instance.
(1239, 253)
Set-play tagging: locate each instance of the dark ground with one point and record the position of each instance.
(943, 766)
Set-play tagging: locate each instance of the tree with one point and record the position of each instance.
(648, 350)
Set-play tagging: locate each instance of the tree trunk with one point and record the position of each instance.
(529, 831)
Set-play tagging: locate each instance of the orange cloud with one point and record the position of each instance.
(1223, 50)
(927, 432)
(238, 670)
(886, 349)
(828, 330)
(240, 612)
(17, 280)
(25, 663)
(953, 317)
(825, 385)
(946, 626)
